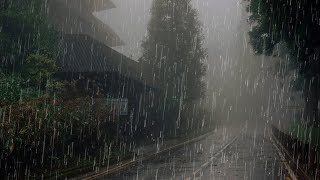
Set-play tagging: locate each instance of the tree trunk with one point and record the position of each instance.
(311, 94)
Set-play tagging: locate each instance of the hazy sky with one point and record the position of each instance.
(221, 21)
(130, 21)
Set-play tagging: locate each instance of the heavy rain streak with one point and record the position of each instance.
(160, 89)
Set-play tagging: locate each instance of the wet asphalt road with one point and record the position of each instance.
(251, 156)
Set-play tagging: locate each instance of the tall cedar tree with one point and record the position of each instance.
(173, 54)
(297, 24)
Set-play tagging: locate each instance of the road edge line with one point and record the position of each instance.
(225, 146)
(283, 159)
(130, 163)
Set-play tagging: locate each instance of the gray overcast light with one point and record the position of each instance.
(220, 18)
(160, 89)
(130, 20)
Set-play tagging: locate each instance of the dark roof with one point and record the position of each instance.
(98, 5)
(86, 5)
(76, 17)
(83, 54)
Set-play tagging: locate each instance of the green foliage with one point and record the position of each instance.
(293, 27)
(24, 29)
(36, 121)
(34, 81)
(28, 48)
(38, 68)
(305, 134)
(10, 88)
(78, 122)
(259, 34)
(295, 24)
(286, 22)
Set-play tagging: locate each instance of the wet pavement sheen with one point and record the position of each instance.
(251, 156)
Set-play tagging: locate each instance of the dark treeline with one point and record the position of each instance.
(296, 25)
(290, 30)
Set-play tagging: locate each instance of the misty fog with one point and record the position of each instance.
(159, 89)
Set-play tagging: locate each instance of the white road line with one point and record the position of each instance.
(283, 159)
(130, 163)
(194, 174)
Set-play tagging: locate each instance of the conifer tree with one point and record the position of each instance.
(173, 53)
